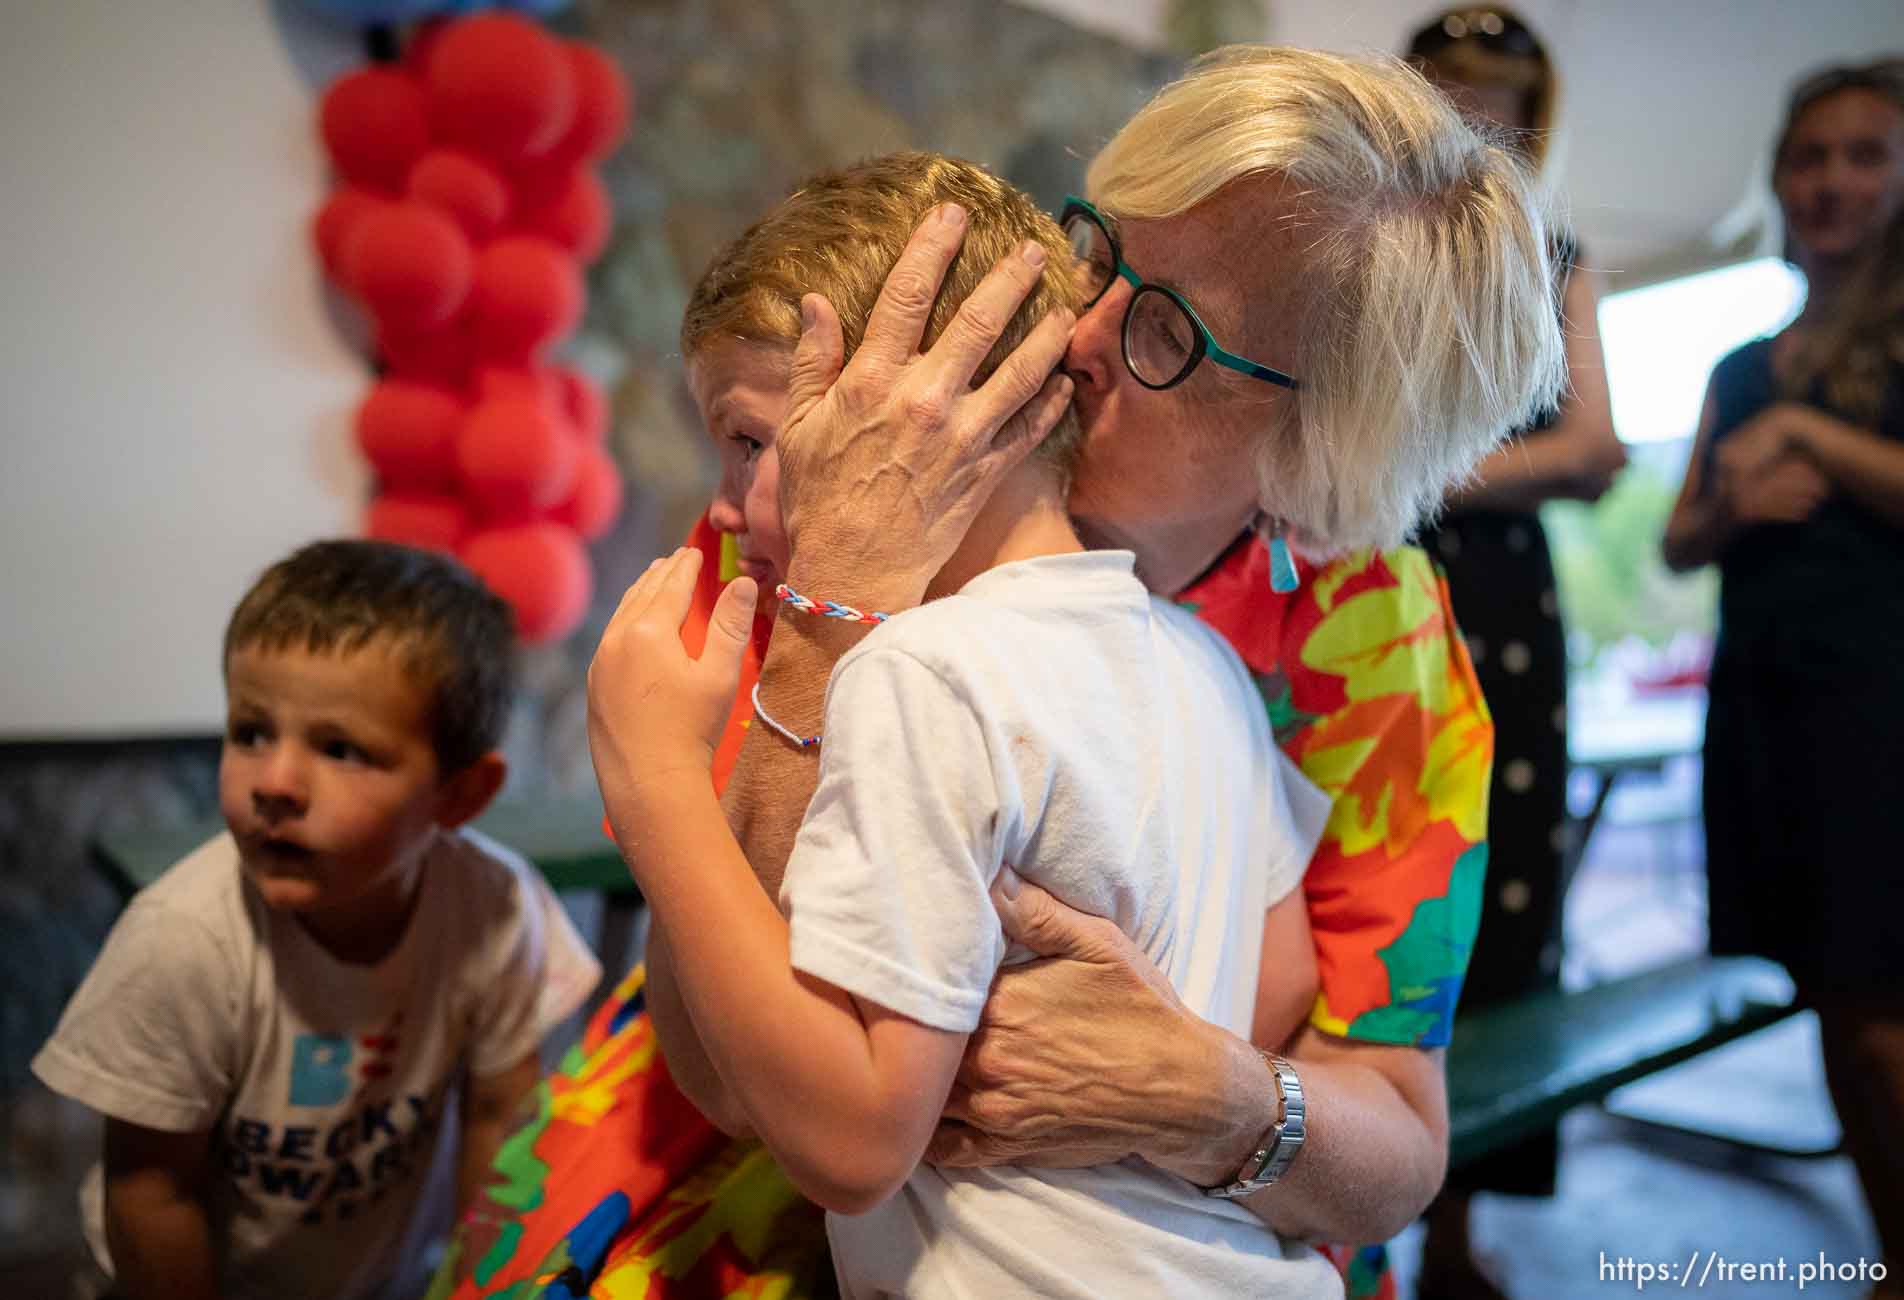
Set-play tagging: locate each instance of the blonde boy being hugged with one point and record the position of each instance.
(1040, 710)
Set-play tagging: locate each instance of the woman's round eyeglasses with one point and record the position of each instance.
(1164, 338)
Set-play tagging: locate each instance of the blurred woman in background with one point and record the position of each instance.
(1796, 490)
(1501, 577)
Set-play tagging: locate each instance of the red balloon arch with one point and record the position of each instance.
(466, 205)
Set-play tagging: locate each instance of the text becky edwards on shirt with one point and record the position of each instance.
(357, 1158)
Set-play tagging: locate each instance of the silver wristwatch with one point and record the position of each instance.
(1272, 1158)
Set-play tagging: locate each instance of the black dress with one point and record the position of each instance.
(1804, 756)
(1501, 580)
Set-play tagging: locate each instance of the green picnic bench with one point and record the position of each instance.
(562, 836)
(1514, 1069)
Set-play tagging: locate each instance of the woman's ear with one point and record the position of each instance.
(465, 794)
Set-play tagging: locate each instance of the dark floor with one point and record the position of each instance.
(1627, 1192)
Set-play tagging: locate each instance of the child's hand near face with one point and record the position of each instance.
(651, 708)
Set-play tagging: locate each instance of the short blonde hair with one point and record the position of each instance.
(840, 233)
(1430, 326)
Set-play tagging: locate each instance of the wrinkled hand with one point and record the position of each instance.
(1082, 1058)
(653, 710)
(884, 464)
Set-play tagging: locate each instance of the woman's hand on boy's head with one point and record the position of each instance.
(885, 463)
(653, 711)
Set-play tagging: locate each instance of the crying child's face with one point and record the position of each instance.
(741, 392)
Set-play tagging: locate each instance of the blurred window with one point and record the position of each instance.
(1663, 340)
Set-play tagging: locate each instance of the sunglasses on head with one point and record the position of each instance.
(1491, 29)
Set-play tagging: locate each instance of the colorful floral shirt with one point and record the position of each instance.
(619, 1188)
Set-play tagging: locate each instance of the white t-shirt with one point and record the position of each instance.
(326, 1086)
(1054, 716)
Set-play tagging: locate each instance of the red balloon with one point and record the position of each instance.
(422, 46)
(515, 457)
(408, 433)
(527, 294)
(375, 124)
(339, 216)
(429, 520)
(578, 217)
(441, 356)
(583, 403)
(502, 86)
(538, 182)
(602, 105)
(470, 192)
(540, 569)
(591, 509)
(537, 384)
(410, 264)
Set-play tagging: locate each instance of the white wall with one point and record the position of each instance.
(174, 401)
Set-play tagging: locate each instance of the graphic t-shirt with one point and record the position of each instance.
(327, 1088)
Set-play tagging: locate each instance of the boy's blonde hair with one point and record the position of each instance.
(840, 233)
(1429, 321)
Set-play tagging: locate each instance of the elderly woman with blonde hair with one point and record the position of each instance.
(1314, 300)
(1317, 300)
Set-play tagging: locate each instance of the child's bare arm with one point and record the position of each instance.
(688, 1064)
(1286, 980)
(844, 1092)
(490, 1114)
(156, 1223)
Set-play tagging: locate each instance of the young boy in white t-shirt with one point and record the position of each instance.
(1040, 710)
(309, 1036)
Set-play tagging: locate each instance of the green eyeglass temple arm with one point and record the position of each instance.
(1248, 367)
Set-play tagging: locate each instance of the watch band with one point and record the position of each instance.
(1278, 1149)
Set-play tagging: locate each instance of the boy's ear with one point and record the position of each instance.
(466, 793)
